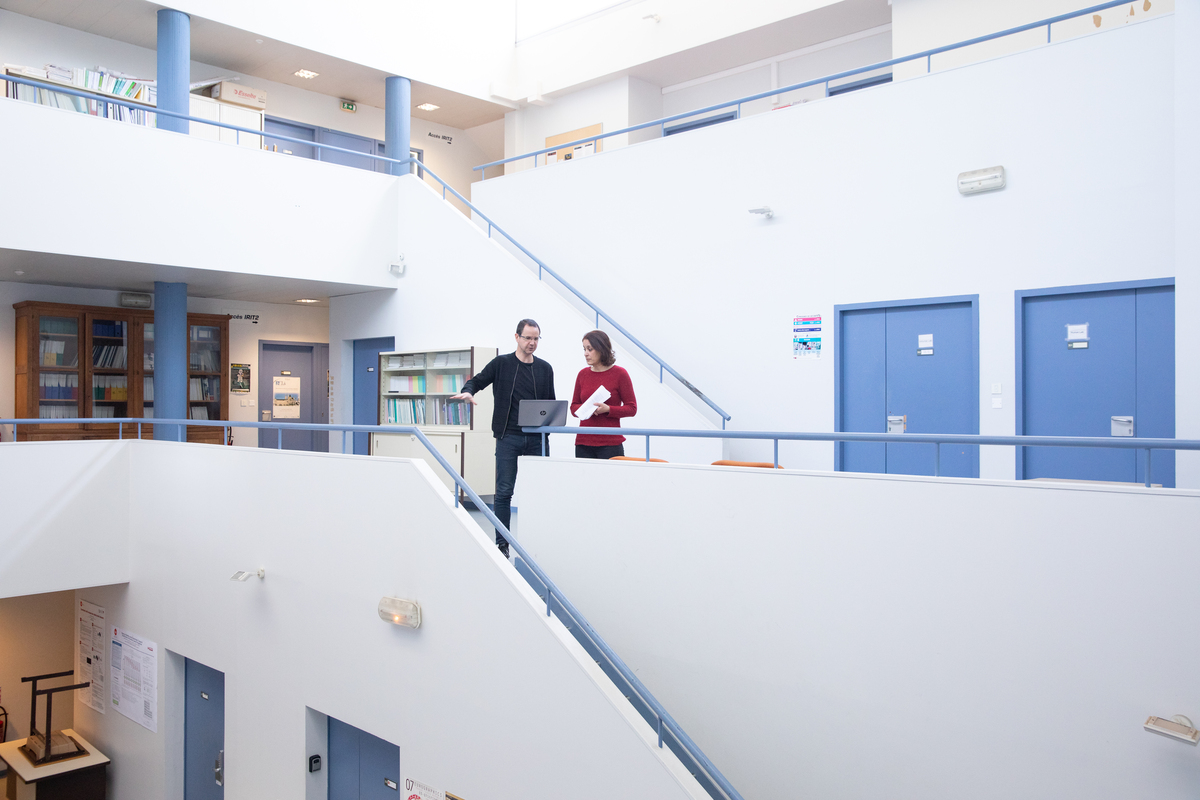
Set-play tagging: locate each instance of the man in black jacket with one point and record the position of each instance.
(516, 376)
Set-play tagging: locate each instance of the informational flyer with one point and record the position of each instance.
(239, 378)
(90, 658)
(285, 391)
(806, 336)
(135, 677)
(416, 790)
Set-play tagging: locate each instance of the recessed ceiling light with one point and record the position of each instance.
(20, 272)
(428, 107)
(307, 300)
(258, 41)
(305, 73)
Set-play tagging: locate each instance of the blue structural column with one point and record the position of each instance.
(170, 358)
(174, 67)
(397, 122)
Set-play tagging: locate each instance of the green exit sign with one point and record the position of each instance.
(348, 106)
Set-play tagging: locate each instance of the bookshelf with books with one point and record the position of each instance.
(91, 362)
(415, 389)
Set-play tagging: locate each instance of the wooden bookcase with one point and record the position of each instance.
(78, 362)
(414, 389)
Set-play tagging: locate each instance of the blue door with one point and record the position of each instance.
(918, 362)
(366, 386)
(346, 141)
(1087, 357)
(292, 130)
(203, 732)
(293, 361)
(361, 766)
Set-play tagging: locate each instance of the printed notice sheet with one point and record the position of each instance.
(135, 677)
(806, 336)
(589, 406)
(416, 790)
(90, 659)
(286, 397)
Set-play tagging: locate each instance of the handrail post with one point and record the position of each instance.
(776, 441)
(343, 442)
(659, 730)
(1146, 461)
(549, 597)
(929, 63)
(937, 459)
(543, 445)
(139, 430)
(1047, 33)
(647, 447)
(279, 444)
(120, 429)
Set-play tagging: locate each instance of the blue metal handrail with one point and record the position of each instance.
(1121, 443)
(663, 366)
(665, 722)
(925, 54)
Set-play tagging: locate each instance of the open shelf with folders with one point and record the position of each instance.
(88, 362)
(415, 389)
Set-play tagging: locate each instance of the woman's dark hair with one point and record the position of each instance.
(521, 325)
(600, 343)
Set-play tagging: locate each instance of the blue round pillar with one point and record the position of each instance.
(174, 67)
(397, 122)
(170, 358)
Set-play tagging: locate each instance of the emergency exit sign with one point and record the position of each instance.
(348, 106)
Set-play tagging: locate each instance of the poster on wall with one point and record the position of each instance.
(421, 791)
(239, 378)
(806, 336)
(89, 659)
(285, 393)
(135, 678)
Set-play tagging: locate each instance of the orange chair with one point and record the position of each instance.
(633, 458)
(763, 464)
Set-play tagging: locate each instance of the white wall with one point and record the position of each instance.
(67, 522)
(34, 42)
(1187, 233)
(462, 290)
(276, 322)
(827, 58)
(827, 635)
(920, 25)
(469, 697)
(273, 215)
(863, 190)
(36, 638)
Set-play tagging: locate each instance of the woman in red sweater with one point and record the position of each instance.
(619, 402)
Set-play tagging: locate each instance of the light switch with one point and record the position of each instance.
(244, 401)
(996, 388)
(997, 402)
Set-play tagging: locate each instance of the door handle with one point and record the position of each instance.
(897, 424)
(266, 415)
(219, 768)
(1122, 426)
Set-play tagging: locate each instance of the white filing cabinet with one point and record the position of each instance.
(207, 108)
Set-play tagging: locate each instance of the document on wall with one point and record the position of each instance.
(89, 657)
(135, 678)
(416, 790)
(589, 406)
(286, 397)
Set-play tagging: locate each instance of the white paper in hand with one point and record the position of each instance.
(589, 406)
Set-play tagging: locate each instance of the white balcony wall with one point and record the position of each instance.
(532, 715)
(863, 191)
(91, 187)
(860, 637)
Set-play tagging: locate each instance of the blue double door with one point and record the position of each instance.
(361, 766)
(918, 365)
(1087, 358)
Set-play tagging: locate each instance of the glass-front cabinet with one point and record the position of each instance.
(83, 362)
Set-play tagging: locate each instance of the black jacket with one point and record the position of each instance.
(502, 371)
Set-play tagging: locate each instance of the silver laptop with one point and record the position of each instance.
(540, 413)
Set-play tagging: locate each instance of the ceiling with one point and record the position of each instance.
(54, 269)
(232, 49)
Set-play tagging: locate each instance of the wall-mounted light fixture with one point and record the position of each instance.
(400, 612)
(1178, 727)
(981, 180)
(397, 267)
(135, 300)
(765, 211)
(242, 576)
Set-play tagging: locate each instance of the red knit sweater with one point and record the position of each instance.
(622, 403)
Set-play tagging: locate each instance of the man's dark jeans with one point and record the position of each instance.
(508, 450)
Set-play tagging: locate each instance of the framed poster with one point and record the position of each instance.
(239, 378)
